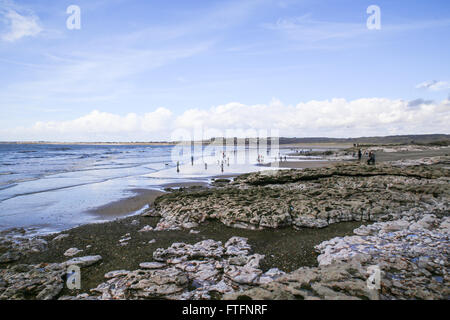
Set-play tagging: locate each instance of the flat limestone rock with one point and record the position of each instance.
(411, 254)
(242, 275)
(310, 222)
(116, 273)
(83, 261)
(186, 271)
(9, 256)
(152, 265)
(60, 237)
(72, 252)
(146, 229)
(42, 282)
(313, 197)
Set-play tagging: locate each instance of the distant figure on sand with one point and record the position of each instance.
(371, 158)
(178, 166)
(359, 154)
(192, 160)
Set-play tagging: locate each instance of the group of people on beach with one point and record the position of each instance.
(260, 158)
(225, 161)
(301, 151)
(371, 156)
(281, 158)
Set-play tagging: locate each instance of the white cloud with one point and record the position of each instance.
(434, 85)
(332, 118)
(20, 25)
(307, 29)
(105, 125)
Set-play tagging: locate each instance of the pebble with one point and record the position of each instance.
(83, 261)
(146, 229)
(72, 252)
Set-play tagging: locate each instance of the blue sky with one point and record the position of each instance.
(142, 69)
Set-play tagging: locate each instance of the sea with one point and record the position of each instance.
(47, 188)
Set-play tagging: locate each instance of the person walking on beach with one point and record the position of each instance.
(359, 154)
(371, 158)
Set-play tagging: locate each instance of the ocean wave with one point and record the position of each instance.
(6, 186)
(61, 149)
(86, 155)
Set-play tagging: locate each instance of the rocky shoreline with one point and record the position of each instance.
(204, 270)
(411, 254)
(311, 198)
(406, 203)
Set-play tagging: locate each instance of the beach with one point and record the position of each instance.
(244, 234)
(68, 185)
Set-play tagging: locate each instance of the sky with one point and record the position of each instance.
(140, 70)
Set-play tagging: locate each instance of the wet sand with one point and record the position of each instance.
(121, 208)
(143, 199)
(201, 183)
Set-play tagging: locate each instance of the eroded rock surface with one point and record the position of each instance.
(43, 281)
(15, 243)
(412, 255)
(204, 270)
(312, 198)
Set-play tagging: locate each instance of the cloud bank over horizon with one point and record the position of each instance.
(330, 118)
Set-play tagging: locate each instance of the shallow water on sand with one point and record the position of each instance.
(50, 188)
